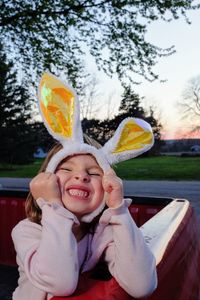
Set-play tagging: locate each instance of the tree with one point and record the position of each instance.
(191, 98)
(100, 131)
(110, 105)
(130, 106)
(156, 127)
(88, 96)
(17, 142)
(42, 137)
(44, 33)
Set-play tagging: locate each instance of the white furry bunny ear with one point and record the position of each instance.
(132, 138)
(59, 109)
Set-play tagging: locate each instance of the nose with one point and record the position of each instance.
(82, 176)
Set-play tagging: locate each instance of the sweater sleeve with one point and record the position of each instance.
(48, 253)
(129, 259)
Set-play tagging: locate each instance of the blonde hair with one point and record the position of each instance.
(33, 211)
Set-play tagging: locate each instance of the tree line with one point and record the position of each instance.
(53, 36)
(43, 34)
(21, 136)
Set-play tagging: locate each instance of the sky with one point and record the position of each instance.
(177, 69)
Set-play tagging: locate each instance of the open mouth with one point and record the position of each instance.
(78, 193)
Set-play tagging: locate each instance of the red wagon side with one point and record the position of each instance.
(170, 228)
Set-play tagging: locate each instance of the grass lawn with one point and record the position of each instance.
(144, 168)
(20, 170)
(160, 168)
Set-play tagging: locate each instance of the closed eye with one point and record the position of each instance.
(94, 174)
(64, 169)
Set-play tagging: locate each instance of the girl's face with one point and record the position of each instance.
(80, 180)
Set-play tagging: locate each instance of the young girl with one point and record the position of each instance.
(66, 232)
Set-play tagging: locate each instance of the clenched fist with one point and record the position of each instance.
(113, 187)
(46, 186)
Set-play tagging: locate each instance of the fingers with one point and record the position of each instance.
(45, 185)
(40, 179)
(113, 187)
(111, 181)
(48, 174)
(110, 172)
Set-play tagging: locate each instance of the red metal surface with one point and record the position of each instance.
(141, 213)
(11, 212)
(178, 272)
(91, 289)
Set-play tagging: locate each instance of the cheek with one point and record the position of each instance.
(99, 189)
(62, 178)
(99, 196)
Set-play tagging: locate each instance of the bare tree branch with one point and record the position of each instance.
(42, 34)
(190, 103)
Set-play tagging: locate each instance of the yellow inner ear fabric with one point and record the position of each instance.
(57, 105)
(133, 137)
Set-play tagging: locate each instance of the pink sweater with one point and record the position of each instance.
(50, 258)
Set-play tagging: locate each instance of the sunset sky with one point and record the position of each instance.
(177, 69)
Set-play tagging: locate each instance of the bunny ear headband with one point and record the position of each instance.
(59, 108)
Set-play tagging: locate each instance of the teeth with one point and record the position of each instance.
(80, 193)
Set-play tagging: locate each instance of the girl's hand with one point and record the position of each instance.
(113, 186)
(46, 186)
